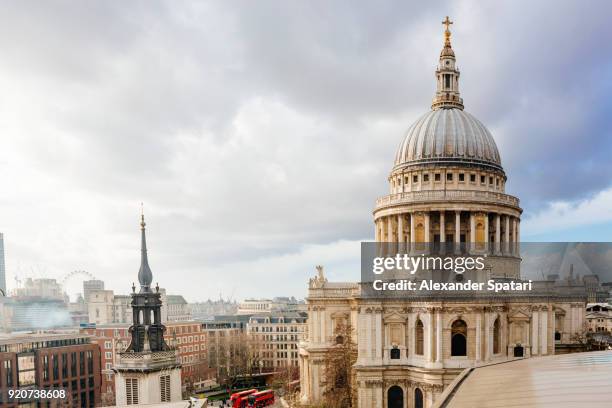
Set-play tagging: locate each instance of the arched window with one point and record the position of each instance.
(496, 336)
(418, 338)
(420, 233)
(480, 236)
(395, 397)
(459, 338)
(418, 398)
(395, 353)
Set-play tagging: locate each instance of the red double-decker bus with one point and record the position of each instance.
(239, 399)
(261, 399)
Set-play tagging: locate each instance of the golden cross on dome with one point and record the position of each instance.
(447, 22)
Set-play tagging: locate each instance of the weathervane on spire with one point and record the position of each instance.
(447, 23)
(142, 221)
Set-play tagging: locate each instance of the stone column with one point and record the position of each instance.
(486, 232)
(412, 229)
(518, 236)
(457, 230)
(472, 231)
(378, 329)
(427, 229)
(430, 336)
(478, 336)
(369, 340)
(439, 338)
(400, 228)
(544, 331)
(535, 332)
(442, 231)
(507, 240)
(487, 337)
(322, 319)
(377, 230)
(389, 229)
(514, 235)
(315, 325)
(497, 233)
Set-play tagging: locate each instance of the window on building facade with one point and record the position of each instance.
(437, 177)
(90, 369)
(459, 338)
(131, 391)
(418, 398)
(449, 176)
(55, 365)
(73, 364)
(8, 373)
(418, 338)
(82, 362)
(45, 368)
(164, 388)
(65, 365)
(461, 177)
(496, 336)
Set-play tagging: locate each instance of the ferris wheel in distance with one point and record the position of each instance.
(71, 275)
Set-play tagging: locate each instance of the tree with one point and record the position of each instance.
(339, 378)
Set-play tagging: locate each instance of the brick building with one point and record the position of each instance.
(187, 336)
(68, 361)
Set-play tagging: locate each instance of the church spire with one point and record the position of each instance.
(145, 276)
(447, 75)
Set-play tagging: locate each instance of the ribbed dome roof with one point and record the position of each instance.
(448, 136)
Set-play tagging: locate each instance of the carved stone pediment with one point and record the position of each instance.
(518, 315)
(394, 317)
(457, 310)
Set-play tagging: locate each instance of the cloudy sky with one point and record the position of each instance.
(259, 134)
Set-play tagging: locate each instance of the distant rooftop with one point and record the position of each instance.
(567, 380)
(176, 299)
(29, 336)
(275, 317)
(19, 342)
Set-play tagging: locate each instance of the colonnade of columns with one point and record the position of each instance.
(494, 231)
(375, 344)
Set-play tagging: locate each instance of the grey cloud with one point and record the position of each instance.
(252, 128)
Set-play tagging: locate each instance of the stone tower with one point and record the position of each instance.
(148, 371)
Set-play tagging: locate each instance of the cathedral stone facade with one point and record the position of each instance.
(447, 185)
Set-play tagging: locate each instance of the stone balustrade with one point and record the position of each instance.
(147, 360)
(447, 196)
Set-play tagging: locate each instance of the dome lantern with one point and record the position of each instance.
(447, 76)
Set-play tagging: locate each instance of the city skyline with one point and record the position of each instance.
(259, 149)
